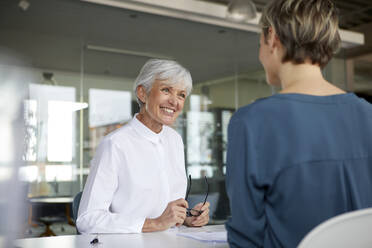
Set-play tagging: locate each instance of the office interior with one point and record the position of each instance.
(83, 57)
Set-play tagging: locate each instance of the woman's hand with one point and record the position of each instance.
(174, 214)
(200, 220)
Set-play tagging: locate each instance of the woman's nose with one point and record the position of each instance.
(172, 100)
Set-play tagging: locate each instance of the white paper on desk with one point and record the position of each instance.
(217, 237)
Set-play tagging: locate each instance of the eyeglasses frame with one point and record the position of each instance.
(188, 210)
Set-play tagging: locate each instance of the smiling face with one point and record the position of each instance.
(162, 104)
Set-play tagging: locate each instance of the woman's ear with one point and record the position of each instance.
(273, 39)
(141, 94)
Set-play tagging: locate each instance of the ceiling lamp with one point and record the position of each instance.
(24, 4)
(241, 10)
(48, 78)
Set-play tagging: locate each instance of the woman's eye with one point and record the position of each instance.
(165, 90)
(183, 95)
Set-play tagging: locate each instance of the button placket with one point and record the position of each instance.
(163, 167)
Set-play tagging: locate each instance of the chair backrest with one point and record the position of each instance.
(75, 206)
(353, 229)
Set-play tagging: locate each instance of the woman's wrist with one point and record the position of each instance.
(152, 225)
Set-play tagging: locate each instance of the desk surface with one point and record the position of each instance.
(143, 240)
(51, 199)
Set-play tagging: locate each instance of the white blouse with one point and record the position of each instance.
(133, 176)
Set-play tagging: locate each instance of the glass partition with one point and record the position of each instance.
(52, 152)
(87, 57)
(362, 78)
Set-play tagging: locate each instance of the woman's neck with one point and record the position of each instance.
(149, 122)
(305, 79)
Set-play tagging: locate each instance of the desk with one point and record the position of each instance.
(42, 200)
(50, 200)
(163, 239)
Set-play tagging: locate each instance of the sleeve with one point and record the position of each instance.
(94, 215)
(182, 163)
(247, 223)
(178, 177)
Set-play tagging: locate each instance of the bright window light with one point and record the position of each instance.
(195, 103)
(225, 116)
(28, 173)
(55, 121)
(199, 171)
(109, 107)
(5, 173)
(59, 173)
(30, 115)
(59, 131)
(6, 142)
(200, 128)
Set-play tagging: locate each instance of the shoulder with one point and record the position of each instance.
(173, 138)
(363, 107)
(119, 135)
(258, 111)
(365, 103)
(171, 133)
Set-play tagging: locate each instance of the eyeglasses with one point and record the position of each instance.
(190, 211)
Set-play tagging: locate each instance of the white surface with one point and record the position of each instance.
(51, 199)
(351, 38)
(347, 230)
(200, 128)
(217, 237)
(133, 176)
(55, 134)
(206, 12)
(12, 94)
(143, 240)
(196, 11)
(109, 107)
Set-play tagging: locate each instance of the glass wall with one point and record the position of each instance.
(362, 79)
(85, 58)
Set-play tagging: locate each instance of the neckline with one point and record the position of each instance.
(146, 132)
(336, 98)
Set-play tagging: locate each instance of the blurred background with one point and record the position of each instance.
(83, 57)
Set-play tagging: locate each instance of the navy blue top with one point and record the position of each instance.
(294, 161)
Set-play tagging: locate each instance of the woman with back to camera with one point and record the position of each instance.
(304, 155)
(137, 179)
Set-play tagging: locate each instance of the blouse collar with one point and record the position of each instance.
(146, 132)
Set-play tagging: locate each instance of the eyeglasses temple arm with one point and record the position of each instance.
(188, 188)
(206, 196)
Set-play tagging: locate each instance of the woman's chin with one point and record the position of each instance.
(168, 120)
(168, 123)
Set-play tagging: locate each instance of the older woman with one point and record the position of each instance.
(137, 179)
(304, 155)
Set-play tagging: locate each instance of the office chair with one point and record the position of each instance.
(75, 207)
(351, 229)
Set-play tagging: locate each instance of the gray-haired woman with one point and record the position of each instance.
(137, 179)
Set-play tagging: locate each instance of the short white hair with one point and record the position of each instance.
(160, 69)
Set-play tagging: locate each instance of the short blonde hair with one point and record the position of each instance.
(308, 29)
